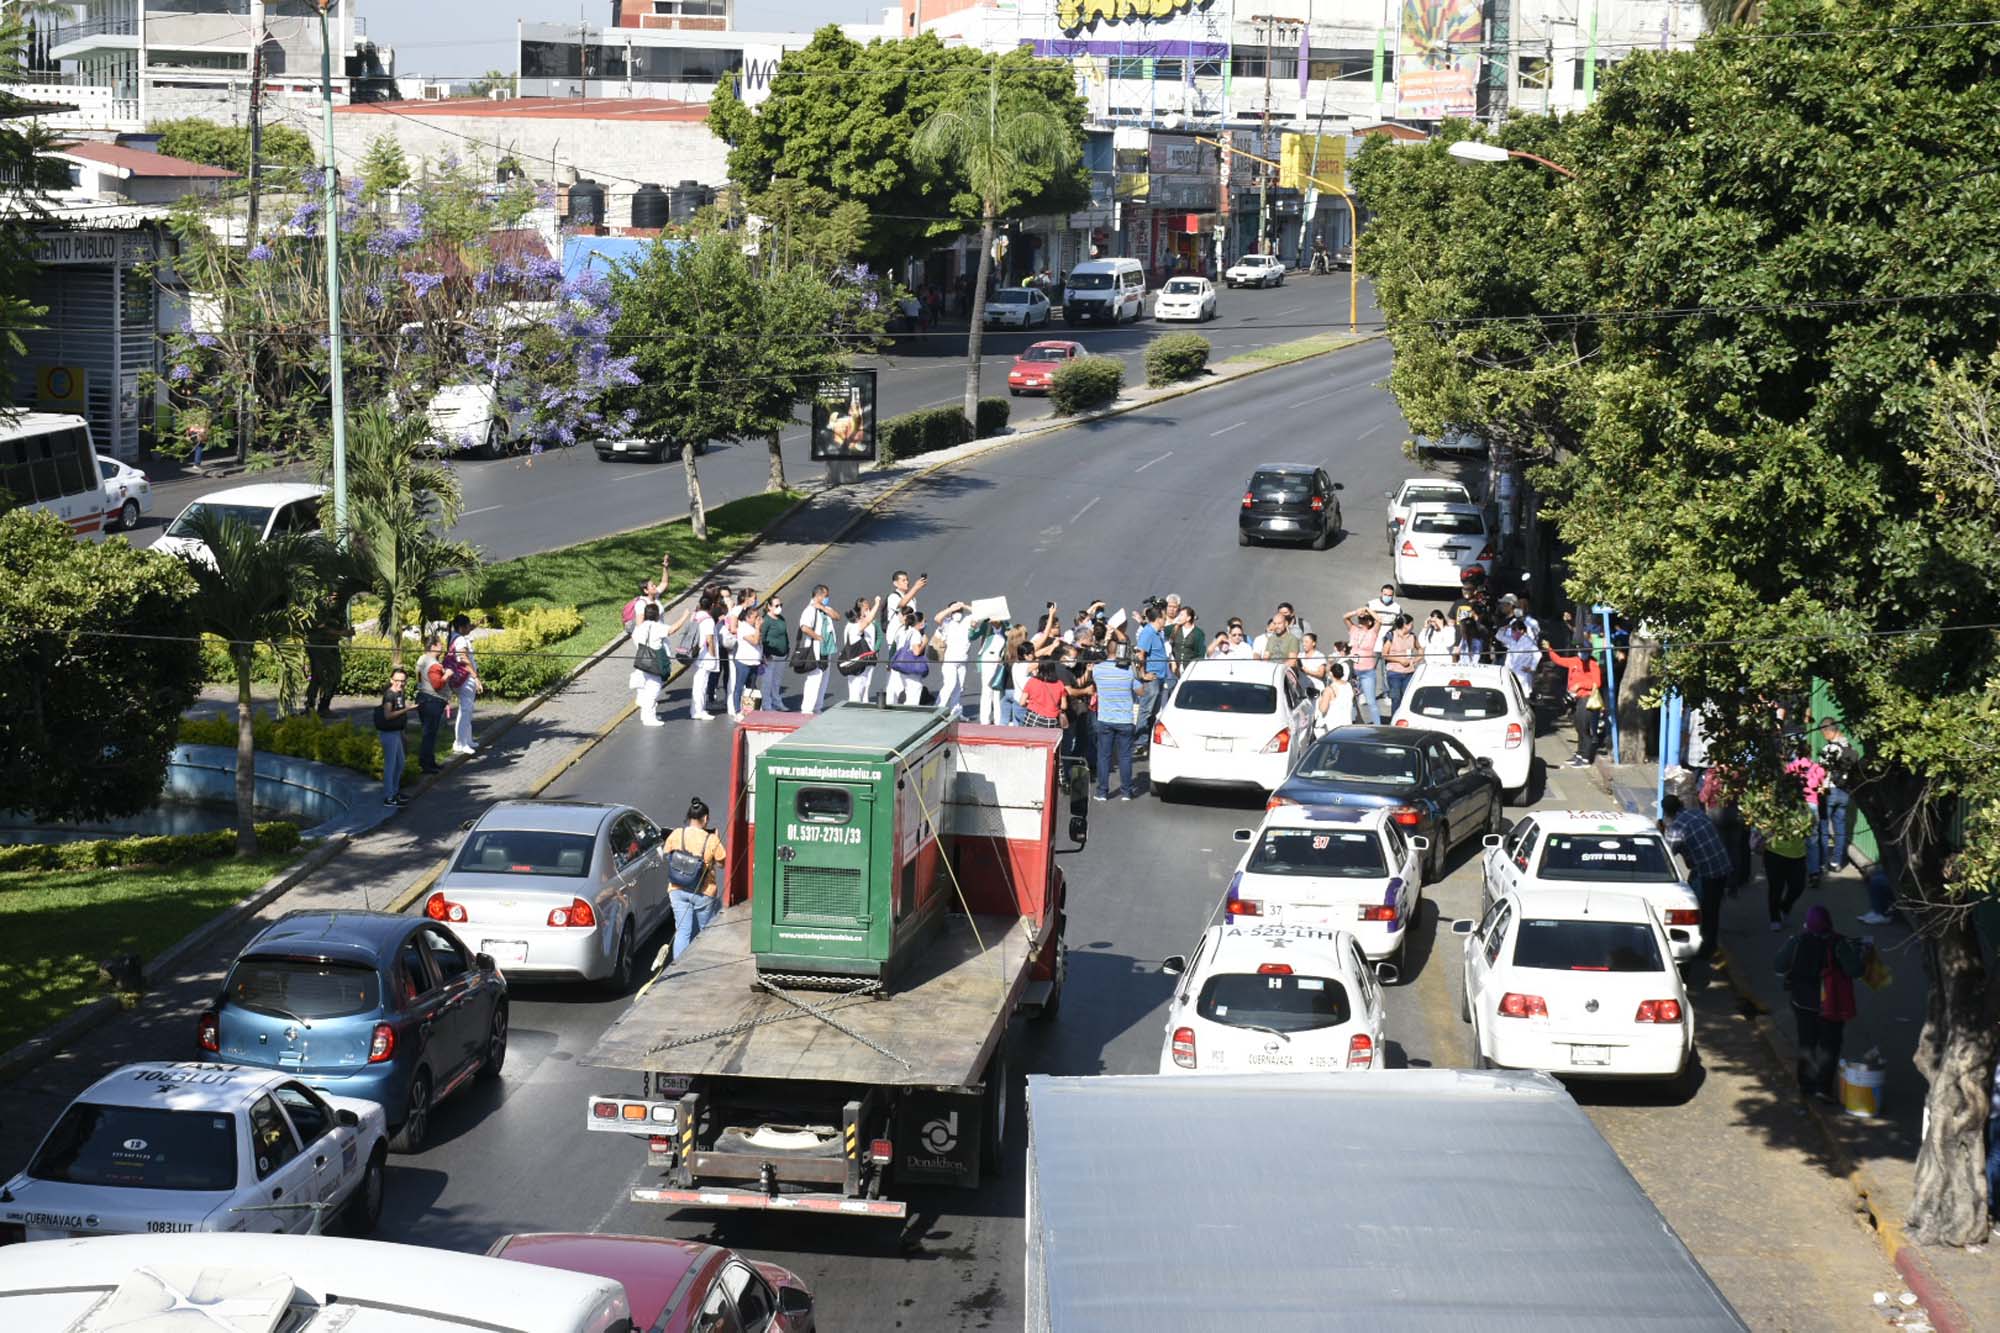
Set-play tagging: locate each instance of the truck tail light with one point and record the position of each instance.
(1516, 1005)
(1658, 1011)
(208, 1032)
(1407, 815)
(1184, 1047)
(659, 1143)
(1378, 912)
(381, 1043)
(881, 1151)
(1409, 547)
(440, 908)
(1280, 743)
(1360, 1051)
(1514, 735)
(1683, 916)
(1161, 736)
(604, 1110)
(1244, 907)
(577, 914)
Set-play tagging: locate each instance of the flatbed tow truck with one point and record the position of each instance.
(892, 901)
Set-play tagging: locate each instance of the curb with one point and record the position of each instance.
(44, 1044)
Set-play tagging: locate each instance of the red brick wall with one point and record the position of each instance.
(639, 14)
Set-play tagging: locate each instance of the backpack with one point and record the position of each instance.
(1836, 988)
(457, 670)
(856, 656)
(685, 868)
(687, 642)
(805, 653)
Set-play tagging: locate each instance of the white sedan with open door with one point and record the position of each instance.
(1585, 849)
(1259, 998)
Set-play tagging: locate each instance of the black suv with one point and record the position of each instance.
(1292, 502)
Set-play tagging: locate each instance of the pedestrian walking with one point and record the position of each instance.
(432, 705)
(1881, 898)
(1836, 802)
(1585, 686)
(997, 655)
(749, 657)
(1118, 694)
(1690, 833)
(909, 660)
(1784, 874)
(861, 649)
(392, 717)
(1819, 968)
(1363, 635)
(1522, 653)
(693, 851)
(323, 665)
(1400, 655)
(462, 675)
(707, 656)
(776, 641)
(650, 664)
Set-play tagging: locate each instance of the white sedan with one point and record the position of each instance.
(1191, 299)
(1420, 490)
(1255, 271)
(1439, 543)
(1480, 706)
(1230, 722)
(200, 1147)
(1016, 308)
(1588, 848)
(1342, 867)
(1575, 982)
(128, 494)
(1278, 999)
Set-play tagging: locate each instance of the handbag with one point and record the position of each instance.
(647, 659)
(910, 662)
(1875, 975)
(1836, 989)
(856, 656)
(1595, 703)
(685, 868)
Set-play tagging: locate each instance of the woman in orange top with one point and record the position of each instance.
(1586, 679)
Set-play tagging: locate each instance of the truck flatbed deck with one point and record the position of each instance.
(944, 1019)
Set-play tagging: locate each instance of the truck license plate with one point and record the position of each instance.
(505, 951)
(1590, 1055)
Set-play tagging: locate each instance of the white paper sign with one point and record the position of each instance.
(989, 608)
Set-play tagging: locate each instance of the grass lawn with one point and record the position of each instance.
(55, 926)
(1278, 354)
(598, 577)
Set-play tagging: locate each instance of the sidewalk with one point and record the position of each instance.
(1876, 1155)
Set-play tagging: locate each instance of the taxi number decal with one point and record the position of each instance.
(180, 1076)
(169, 1227)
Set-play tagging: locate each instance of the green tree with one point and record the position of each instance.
(26, 171)
(228, 146)
(383, 168)
(1752, 452)
(249, 591)
(840, 117)
(97, 645)
(999, 152)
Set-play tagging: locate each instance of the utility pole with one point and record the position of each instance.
(582, 52)
(337, 386)
(1269, 23)
(246, 405)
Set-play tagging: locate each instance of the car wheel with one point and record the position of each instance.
(1013, 392)
(620, 979)
(993, 1141)
(364, 1206)
(416, 1116)
(128, 515)
(1440, 851)
(496, 1044)
(1464, 999)
(1243, 538)
(1053, 1005)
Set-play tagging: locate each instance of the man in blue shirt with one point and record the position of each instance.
(1153, 656)
(1118, 692)
(1693, 836)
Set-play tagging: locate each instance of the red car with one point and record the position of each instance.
(1033, 367)
(675, 1286)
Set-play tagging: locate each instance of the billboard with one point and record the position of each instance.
(843, 418)
(1323, 157)
(1437, 59)
(1184, 173)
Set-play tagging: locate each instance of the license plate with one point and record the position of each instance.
(1590, 1055)
(291, 1058)
(505, 951)
(1221, 743)
(1281, 523)
(1455, 550)
(620, 447)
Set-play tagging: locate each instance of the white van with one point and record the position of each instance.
(467, 418)
(1110, 290)
(47, 462)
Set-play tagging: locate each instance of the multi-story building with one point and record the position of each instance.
(711, 14)
(680, 64)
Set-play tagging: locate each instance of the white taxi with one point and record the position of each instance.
(1185, 298)
(1439, 543)
(1481, 707)
(1342, 867)
(1420, 490)
(175, 1147)
(1230, 722)
(1575, 981)
(1594, 849)
(127, 492)
(1260, 998)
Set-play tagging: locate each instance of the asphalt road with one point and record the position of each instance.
(1137, 504)
(517, 506)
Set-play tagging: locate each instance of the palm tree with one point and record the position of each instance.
(399, 493)
(250, 591)
(996, 152)
(1730, 13)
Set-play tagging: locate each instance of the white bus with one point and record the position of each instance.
(47, 462)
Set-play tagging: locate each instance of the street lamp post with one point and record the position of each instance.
(1486, 154)
(337, 389)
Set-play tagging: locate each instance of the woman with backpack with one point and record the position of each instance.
(693, 852)
(1819, 968)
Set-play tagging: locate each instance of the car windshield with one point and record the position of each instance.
(1045, 354)
(1448, 522)
(1225, 696)
(252, 516)
(1287, 1003)
(139, 1147)
(302, 987)
(1355, 855)
(1587, 946)
(1435, 495)
(1185, 287)
(1637, 857)
(1457, 703)
(1362, 762)
(1010, 296)
(1281, 485)
(504, 851)
(1090, 282)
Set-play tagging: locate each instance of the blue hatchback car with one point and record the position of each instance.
(393, 1009)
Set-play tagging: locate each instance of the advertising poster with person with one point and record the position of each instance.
(1437, 59)
(843, 418)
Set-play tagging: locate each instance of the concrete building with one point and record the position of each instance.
(111, 173)
(681, 64)
(683, 14)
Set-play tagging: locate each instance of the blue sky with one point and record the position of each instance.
(448, 38)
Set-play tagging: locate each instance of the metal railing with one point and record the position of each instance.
(126, 25)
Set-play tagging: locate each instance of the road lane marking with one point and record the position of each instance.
(1328, 394)
(1226, 429)
(1161, 459)
(485, 510)
(1371, 430)
(1086, 509)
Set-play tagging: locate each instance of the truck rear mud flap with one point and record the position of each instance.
(753, 1200)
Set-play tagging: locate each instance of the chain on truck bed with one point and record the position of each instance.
(849, 990)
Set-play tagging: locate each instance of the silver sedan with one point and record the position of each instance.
(558, 889)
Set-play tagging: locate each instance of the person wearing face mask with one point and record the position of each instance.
(1363, 636)
(776, 642)
(1523, 654)
(1400, 655)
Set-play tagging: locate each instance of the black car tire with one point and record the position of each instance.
(993, 1134)
(128, 516)
(364, 1207)
(620, 979)
(1243, 538)
(410, 1135)
(1013, 392)
(496, 1044)
(1434, 873)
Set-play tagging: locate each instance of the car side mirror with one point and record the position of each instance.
(1482, 763)
(1388, 973)
(1339, 486)
(1388, 495)
(1491, 840)
(1462, 926)
(347, 1118)
(1420, 843)
(485, 962)
(795, 1301)
(466, 827)
(1243, 834)
(1174, 965)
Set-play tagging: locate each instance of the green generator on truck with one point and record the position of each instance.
(851, 849)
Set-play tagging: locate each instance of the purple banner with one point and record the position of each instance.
(1305, 59)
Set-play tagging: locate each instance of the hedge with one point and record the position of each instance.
(307, 736)
(180, 849)
(1087, 382)
(1174, 357)
(932, 428)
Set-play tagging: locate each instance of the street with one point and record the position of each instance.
(516, 506)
